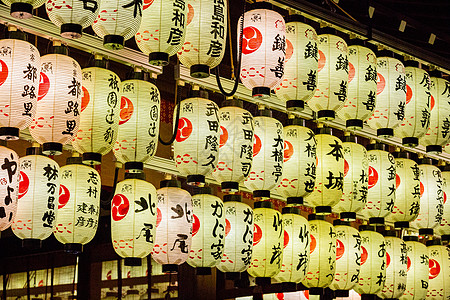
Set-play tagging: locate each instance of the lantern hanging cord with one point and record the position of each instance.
(177, 119)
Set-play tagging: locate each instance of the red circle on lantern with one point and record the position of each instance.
(445, 197)
(363, 255)
(286, 239)
(312, 244)
(388, 259)
(256, 145)
(195, 225)
(190, 14)
(431, 102)
(24, 184)
(346, 167)
(322, 61)
(44, 86)
(373, 177)
(408, 94)
(340, 249)
(257, 234)
(223, 136)
(4, 72)
(288, 151)
(408, 264)
(422, 189)
(280, 296)
(64, 196)
(126, 110)
(184, 129)
(227, 227)
(147, 3)
(119, 207)
(397, 181)
(351, 72)
(251, 39)
(435, 268)
(85, 98)
(158, 216)
(381, 83)
(289, 49)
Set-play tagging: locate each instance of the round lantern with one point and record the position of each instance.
(389, 109)
(331, 89)
(72, 15)
(362, 86)
(9, 188)
(263, 49)
(173, 226)
(37, 204)
(439, 271)
(381, 192)
(329, 173)
(295, 247)
(23, 9)
(300, 70)
(206, 31)
(416, 269)
(162, 30)
(58, 110)
(372, 273)
(237, 253)
(208, 231)
(356, 178)
(19, 86)
(417, 108)
(444, 227)
(236, 147)
(139, 117)
(78, 206)
(117, 21)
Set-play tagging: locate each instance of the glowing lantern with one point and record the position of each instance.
(444, 227)
(23, 9)
(9, 189)
(439, 271)
(173, 226)
(263, 49)
(331, 89)
(389, 109)
(237, 253)
(37, 207)
(206, 30)
(99, 120)
(208, 231)
(300, 70)
(162, 29)
(117, 21)
(417, 269)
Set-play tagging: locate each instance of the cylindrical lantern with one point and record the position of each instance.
(59, 103)
(444, 227)
(329, 173)
(206, 32)
(331, 89)
(300, 70)
(362, 86)
(208, 231)
(23, 9)
(263, 49)
(72, 15)
(389, 109)
(268, 161)
(162, 29)
(9, 187)
(173, 226)
(416, 269)
(117, 21)
(417, 108)
(78, 206)
(439, 271)
(37, 204)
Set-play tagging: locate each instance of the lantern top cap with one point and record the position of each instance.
(135, 175)
(233, 102)
(204, 190)
(389, 53)
(140, 75)
(366, 228)
(261, 5)
(445, 167)
(376, 146)
(435, 73)
(411, 63)
(17, 34)
(323, 130)
(312, 217)
(296, 18)
(349, 138)
(290, 210)
(390, 233)
(425, 161)
(341, 222)
(232, 197)
(265, 113)
(297, 121)
(74, 160)
(34, 151)
(400, 154)
(433, 243)
(411, 238)
(327, 30)
(170, 183)
(362, 43)
(262, 204)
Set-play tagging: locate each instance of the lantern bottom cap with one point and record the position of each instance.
(295, 105)
(368, 297)
(323, 210)
(134, 165)
(401, 224)
(73, 248)
(232, 197)
(31, 243)
(71, 30)
(158, 59)
(434, 149)
(294, 200)
(445, 237)
(411, 238)
(230, 186)
(203, 271)
(289, 286)
(354, 124)
(263, 194)
(52, 148)
(410, 141)
(200, 71)
(113, 42)
(341, 293)
(433, 243)
(20, 10)
(132, 261)
(261, 92)
(170, 268)
(326, 115)
(426, 231)
(263, 280)
(9, 133)
(232, 275)
(196, 180)
(376, 221)
(385, 132)
(339, 222)
(316, 291)
(347, 216)
(92, 158)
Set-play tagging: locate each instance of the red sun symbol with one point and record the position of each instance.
(422, 189)
(44, 86)
(432, 103)
(227, 227)
(64, 196)
(109, 275)
(158, 216)
(147, 3)
(445, 197)
(363, 255)
(397, 181)
(435, 268)
(373, 177)
(223, 136)
(256, 145)
(381, 83)
(340, 249)
(322, 61)
(408, 94)
(289, 49)
(85, 98)
(351, 72)
(119, 207)
(408, 264)
(288, 150)
(312, 244)
(388, 259)
(346, 167)
(251, 40)
(280, 296)
(195, 225)
(190, 14)
(4, 72)
(184, 129)
(126, 110)
(286, 239)
(257, 234)
(24, 184)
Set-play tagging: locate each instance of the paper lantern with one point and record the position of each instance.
(263, 49)
(267, 167)
(139, 117)
(417, 269)
(295, 247)
(444, 227)
(235, 147)
(19, 86)
(237, 253)
(329, 173)
(59, 103)
(381, 193)
(162, 29)
(331, 89)
(439, 271)
(417, 108)
(78, 206)
(9, 188)
(23, 9)
(206, 31)
(173, 226)
(300, 70)
(396, 266)
(389, 109)
(72, 16)
(117, 21)
(362, 86)
(37, 207)
(208, 231)
(356, 179)
(372, 273)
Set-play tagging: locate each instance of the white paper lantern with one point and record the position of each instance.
(362, 86)
(173, 226)
(439, 271)
(206, 32)
(300, 71)
(162, 29)
(19, 86)
(331, 89)
(72, 16)
(391, 96)
(9, 187)
(263, 49)
(99, 119)
(59, 103)
(444, 227)
(117, 21)
(23, 9)
(78, 206)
